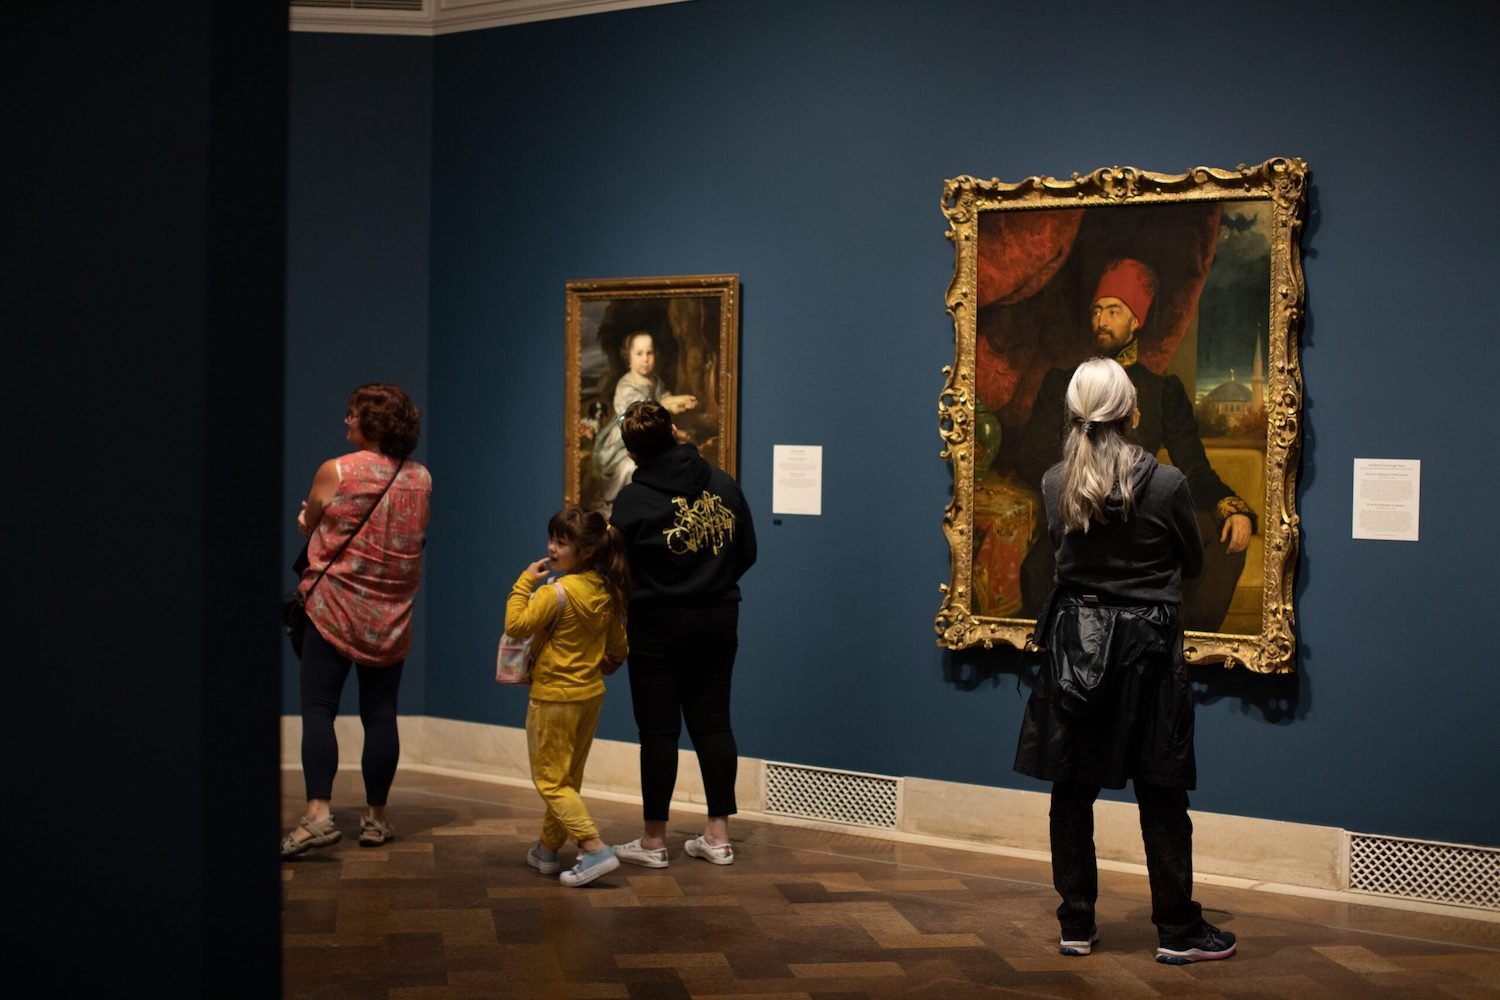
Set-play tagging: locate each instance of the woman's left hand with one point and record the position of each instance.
(538, 571)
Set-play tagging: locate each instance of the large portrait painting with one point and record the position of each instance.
(1193, 282)
(674, 340)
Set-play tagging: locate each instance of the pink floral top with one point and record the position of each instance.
(362, 606)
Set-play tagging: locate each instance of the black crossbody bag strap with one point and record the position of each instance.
(360, 527)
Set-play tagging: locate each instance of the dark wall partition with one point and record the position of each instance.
(143, 302)
(803, 145)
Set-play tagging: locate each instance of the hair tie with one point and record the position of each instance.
(1088, 427)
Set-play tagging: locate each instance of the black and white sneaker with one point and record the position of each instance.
(1078, 945)
(1207, 944)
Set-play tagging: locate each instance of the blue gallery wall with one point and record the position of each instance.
(803, 145)
(357, 256)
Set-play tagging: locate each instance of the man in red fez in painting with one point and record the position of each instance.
(1122, 305)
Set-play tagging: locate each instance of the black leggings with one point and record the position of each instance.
(324, 672)
(680, 669)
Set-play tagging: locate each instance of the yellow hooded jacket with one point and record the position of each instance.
(585, 631)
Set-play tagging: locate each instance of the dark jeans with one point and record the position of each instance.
(1168, 834)
(680, 668)
(324, 672)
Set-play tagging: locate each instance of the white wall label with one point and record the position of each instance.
(1387, 498)
(797, 479)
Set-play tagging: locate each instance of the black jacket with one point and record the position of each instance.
(1113, 701)
(1142, 558)
(687, 531)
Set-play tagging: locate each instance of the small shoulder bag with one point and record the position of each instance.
(516, 657)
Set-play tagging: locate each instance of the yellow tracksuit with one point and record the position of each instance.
(567, 690)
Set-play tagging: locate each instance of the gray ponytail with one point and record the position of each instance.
(1097, 455)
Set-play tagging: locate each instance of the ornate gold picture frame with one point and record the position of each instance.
(1212, 259)
(673, 339)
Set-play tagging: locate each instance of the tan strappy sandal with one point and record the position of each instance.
(321, 834)
(374, 832)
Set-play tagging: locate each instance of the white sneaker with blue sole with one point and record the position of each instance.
(543, 860)
(590, 867)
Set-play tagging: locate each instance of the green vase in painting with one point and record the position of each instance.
(986, 438)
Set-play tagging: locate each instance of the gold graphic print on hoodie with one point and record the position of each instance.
(706, 522)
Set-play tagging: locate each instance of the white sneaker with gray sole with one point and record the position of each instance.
(717, 854)
(647, 857)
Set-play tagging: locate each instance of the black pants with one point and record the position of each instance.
(680, 667)
(324, 672)
(1168, 835)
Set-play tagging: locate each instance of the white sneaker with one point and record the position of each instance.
(647, 857)
(590, 867)
(542, 860)
(718, 854)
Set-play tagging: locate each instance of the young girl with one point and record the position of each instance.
(580, 622)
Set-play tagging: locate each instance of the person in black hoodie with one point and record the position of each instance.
(689, 539)
(1113, 701)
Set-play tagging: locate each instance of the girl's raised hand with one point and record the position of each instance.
(538, 571)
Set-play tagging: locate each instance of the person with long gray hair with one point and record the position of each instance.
(1113, 701)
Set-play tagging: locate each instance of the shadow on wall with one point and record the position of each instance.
(1274, 698)
(977, 667)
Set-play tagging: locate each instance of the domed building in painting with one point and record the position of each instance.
(1230, 399)
(1234, 398)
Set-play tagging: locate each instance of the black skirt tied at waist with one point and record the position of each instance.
(1113, 700)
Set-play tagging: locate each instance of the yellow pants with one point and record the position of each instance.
(558, 737)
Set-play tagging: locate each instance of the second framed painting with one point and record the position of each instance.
(1193, 283)
(671, 339)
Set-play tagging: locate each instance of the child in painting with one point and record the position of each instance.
(580, 622)
(640, 382)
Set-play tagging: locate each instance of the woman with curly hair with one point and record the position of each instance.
(366, 521)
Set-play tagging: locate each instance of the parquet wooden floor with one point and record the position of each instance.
(450, 909)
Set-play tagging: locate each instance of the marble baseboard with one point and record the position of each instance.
(1229, 849)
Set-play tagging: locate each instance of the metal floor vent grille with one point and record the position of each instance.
(837, 796)
(1425, 870)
